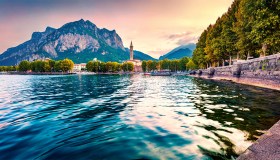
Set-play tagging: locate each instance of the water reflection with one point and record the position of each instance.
(130, 117)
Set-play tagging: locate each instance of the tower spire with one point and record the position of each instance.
(131, 51)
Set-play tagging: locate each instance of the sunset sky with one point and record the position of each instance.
(154, 26)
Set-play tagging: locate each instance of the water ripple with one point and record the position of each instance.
(130, 117)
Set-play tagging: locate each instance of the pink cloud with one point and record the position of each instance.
(183, 38)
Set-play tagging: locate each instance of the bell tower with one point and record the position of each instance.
(131, 51)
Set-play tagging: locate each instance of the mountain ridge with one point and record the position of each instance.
(80, 41)
(179, 52)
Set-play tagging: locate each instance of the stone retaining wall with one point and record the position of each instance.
(263, 72)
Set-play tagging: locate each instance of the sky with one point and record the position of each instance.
(154, 26)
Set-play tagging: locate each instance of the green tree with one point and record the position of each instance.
(154, 65)
(130, 66)
(243, 27)
(103, 67)
(67, 65)
(118, 67)
(96, 66)
(191, 65)
(51, 64)
(24, 66)
(144, 66)
(37, 66)
(265, 24)
(149, 65)
(182, 64)
(46, 67)
(115, 67)
(109, 66)
(164, 64)
(90, 66)
(199, 55)
(175, 65)
(127, 66)
(57, 66)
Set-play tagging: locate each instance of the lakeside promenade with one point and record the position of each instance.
(262, 72)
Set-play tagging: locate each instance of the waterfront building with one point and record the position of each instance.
(79, 67)
(136, 62)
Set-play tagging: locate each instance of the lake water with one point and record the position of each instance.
(130, 117)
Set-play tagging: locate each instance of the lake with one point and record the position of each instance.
(130, 117)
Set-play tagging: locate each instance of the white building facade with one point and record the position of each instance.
(79, 67)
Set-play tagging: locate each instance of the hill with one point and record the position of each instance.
(79, 41)
(179, 52)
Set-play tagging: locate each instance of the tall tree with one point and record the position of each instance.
(144, 66)
(24, 66)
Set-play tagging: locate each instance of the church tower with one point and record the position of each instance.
(131, 51)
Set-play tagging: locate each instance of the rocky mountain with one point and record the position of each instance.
(179, 52)
(80, 41)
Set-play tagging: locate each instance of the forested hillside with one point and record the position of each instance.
(245, 29)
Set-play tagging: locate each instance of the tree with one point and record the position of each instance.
(154, 65)
(57, 66)
(149, 65)
(182, 64)
(90, 66)
(265, 24)
(118, 67)
(115, 67)
(24, 66)
(144, 66)
(128, 66)
(243, 27)
(190, 65)
(46, 67)
(243, 30)
(96, 66)
(8, 68)
(199, 55)
(37, 66)
(67, 65)
(164, 64)
(109, 67)
(51, 64)
(102, 67)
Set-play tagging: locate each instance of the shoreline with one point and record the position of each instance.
(36, 73)
(258, 82)
(261, 72)
(65, 73)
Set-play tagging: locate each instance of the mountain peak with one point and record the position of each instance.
(79, 23)
(80, 41)
(49, 29)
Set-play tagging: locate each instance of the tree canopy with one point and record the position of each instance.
(97, 66)
(166, 64)
(46, 66)
(243, 30)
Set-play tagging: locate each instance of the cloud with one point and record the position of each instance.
(183, 38)
(187, 40)
(179, 35)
